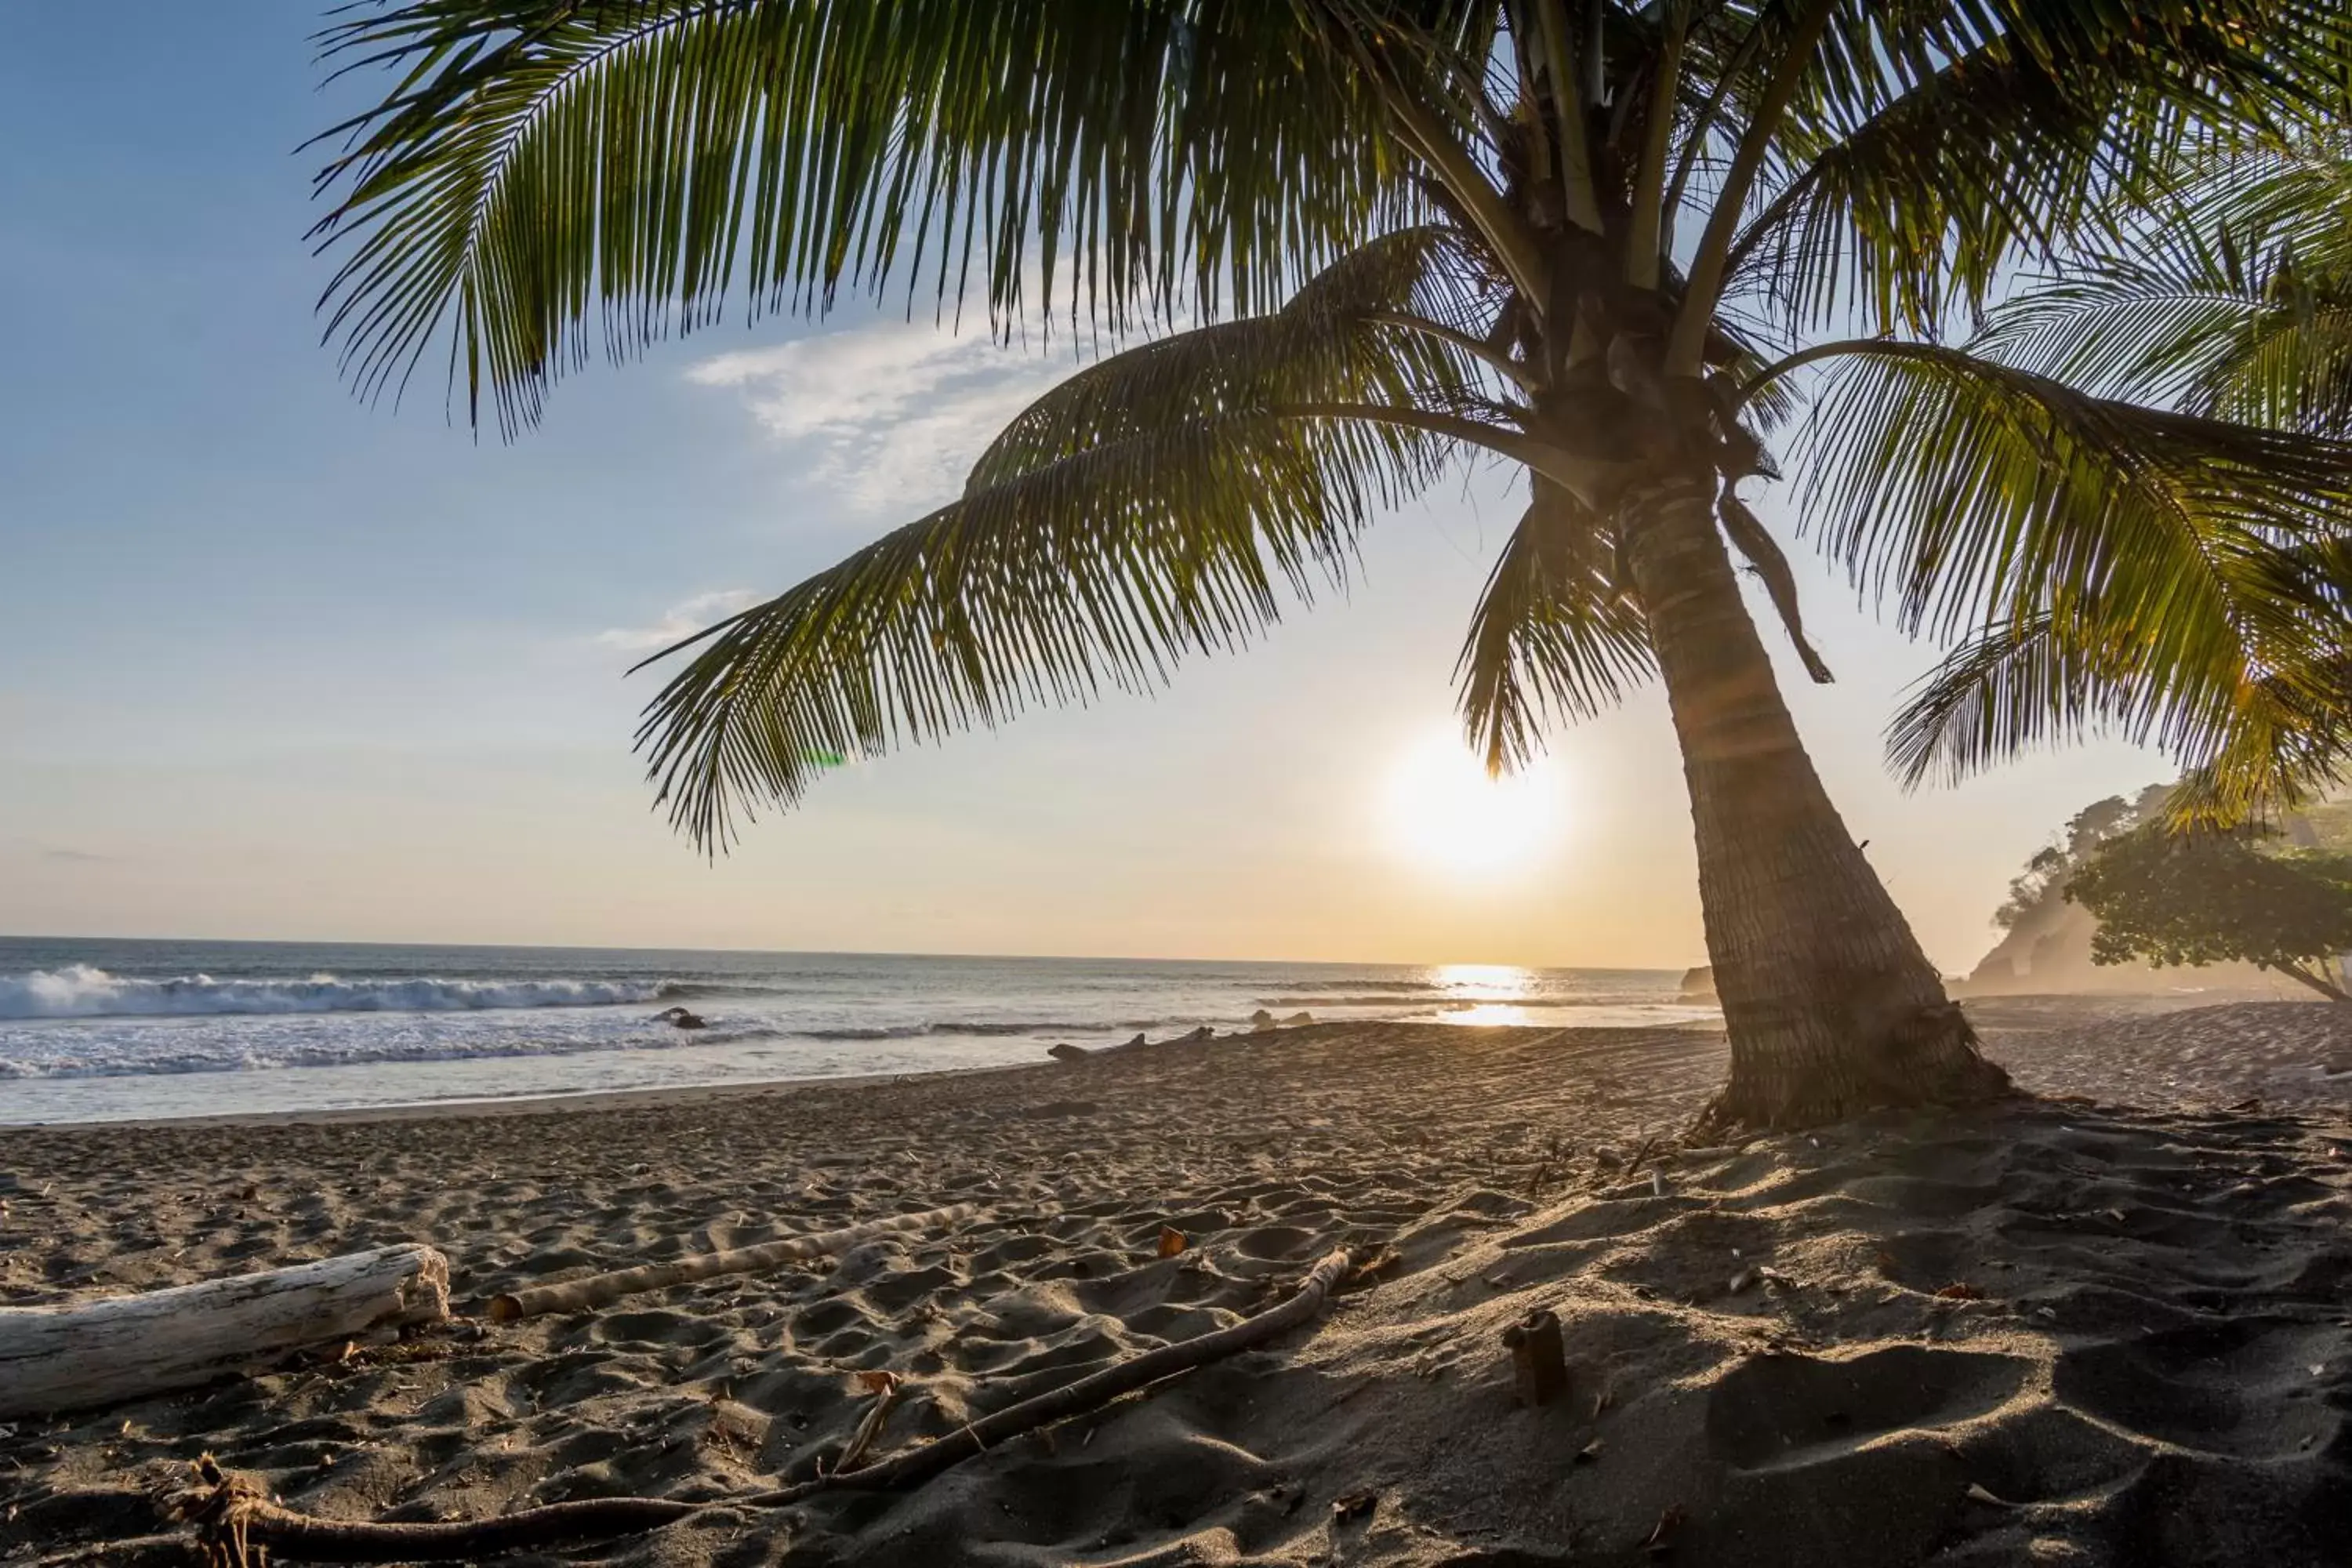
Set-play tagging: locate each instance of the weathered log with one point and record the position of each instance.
(572, 1295)
(78, 1354)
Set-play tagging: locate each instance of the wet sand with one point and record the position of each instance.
(2051, 1332)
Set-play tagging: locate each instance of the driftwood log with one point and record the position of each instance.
(84, 1353)
(235, 1521)
(572, 1295)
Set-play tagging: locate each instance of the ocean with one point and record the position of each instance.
(95, 1029)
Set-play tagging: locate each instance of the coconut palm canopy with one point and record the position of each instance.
(1617, 245)
(2230, 296)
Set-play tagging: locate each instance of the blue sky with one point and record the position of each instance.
(277, 664)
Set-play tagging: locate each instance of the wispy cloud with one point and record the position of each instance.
(894, 415)
(78, 857)
(680, 620)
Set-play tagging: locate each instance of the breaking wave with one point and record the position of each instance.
(79, 991)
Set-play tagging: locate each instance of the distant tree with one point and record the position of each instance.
(2211, 898)
(2029, 887)
(2046, 873)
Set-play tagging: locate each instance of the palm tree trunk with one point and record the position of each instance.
(1832, 1007)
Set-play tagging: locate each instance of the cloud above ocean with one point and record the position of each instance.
(682, 619)
(891, 417)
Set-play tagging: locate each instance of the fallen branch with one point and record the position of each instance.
(596, 1289)
(916, 1464)
(235, 1521)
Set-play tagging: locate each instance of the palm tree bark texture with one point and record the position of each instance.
(1811, 953)
(1622, 245)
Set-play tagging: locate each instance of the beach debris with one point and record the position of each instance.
(1202, 1034)
(1641, 1157)
(1498, 1278)
(1350, 1506)
(1066, 1052)
(237, 1523)
(1172, 1241)
(885, 1386)
(598, 1288)
(680, 1018)
(100, 1353)
(1977, 1493)
(1261, 1021)
(1661, 1535)
(1380, 1262)
(1538, 1359)
(1606, 1158)
(1657, 1184)
(1959, 1290)
(1744, 1279)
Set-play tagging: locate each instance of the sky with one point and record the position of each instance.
(277, 664)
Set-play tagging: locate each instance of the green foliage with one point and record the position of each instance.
(1403, 231)
(545, 163)
(2229, 300)
(2046, 873)
(2213, 898)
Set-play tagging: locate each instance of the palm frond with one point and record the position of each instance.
(1346, 336)
(1764, 556)
(1556, 634)
(2123, 586)
(2198, 312)
(543, 165)
(1943, 143)
(1972, 494)
(2253, 737)
(1101, 569)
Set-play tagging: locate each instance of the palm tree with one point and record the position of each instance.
(2230, 296)
(1610, 242)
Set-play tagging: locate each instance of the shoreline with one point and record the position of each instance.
(535, 1103)
(2006, 1012)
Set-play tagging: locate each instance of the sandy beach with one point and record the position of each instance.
(2109, 1325)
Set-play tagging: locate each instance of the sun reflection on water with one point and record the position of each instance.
(1484, 993)
(1490, 1012)
(1489, 979)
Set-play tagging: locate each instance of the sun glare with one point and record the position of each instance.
(1444, 812)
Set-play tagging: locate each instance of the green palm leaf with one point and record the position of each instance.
(2165, 576)
(1558, 632)
(1396, 321)
(1100, 569)
(2204, 307)
(1937, 144)
(634, 161)
(1973, 494)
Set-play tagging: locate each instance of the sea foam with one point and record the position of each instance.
(80, 991)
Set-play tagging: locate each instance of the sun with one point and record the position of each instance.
(1442, 811)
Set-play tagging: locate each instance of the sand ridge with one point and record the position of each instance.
(2053, 1333)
